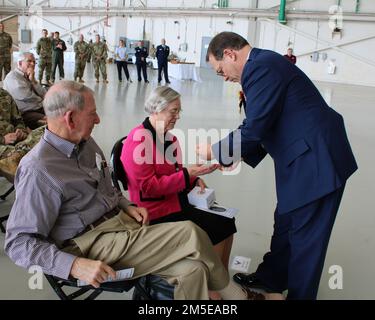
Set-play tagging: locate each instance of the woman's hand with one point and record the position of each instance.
(200, 169)
(204, 151)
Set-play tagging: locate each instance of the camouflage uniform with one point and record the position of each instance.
(10, 121)
(99, 58)
(81, 49)
(6, 43)
(44, 50)
(89, 51)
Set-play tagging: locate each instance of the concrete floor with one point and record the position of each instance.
(213, 104)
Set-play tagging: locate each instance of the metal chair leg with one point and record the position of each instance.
(3, 196)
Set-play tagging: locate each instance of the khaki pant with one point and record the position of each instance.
(180, 252)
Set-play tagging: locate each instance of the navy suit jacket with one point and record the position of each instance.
(141, 52)
(287, 118)
(162, 54)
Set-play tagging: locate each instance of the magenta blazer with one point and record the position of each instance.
(154, 181)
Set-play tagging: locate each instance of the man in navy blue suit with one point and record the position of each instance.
(162, 53)
(141, 53)
(287, 118)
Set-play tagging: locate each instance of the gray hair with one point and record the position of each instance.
(222, 41)
(22, 55)
(160, 98)
(69, 96)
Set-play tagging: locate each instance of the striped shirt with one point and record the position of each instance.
(61, 188)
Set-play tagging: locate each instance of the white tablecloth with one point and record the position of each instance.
(183, 71)
(149, 61)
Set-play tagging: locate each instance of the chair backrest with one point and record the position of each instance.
(118, 173)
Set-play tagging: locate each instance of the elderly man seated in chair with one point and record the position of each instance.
(26, 91)
(69, 220)
(15, 138)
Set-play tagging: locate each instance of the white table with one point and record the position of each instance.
(154, 62)
(183, 71)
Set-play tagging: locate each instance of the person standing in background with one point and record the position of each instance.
(162, 53)
(58, 47)
(292, 58)
(141, 54)
(89, 51)
(100, 54)
(6, 43)
(152, 52)
(81, 49)
(121, 61)
(44, 51)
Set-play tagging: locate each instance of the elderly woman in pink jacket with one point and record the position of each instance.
(152, 160)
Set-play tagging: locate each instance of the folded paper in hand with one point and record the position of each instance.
(206, 202)
(120, 275)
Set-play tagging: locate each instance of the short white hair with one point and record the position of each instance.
(69, 97)
(22, 55)
(160, 98)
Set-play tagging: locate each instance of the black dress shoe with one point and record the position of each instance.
(251, 281)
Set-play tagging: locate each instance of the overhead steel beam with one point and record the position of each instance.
(8, 18)
(50, 22)
(198, 12)
(323, 42)
(14, 3)
(341, 44)
(82, 27)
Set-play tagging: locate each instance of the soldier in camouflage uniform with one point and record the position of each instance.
(99, 58)
(89, 52)
(81, 49)
(44, 50)
(6, 43)
(15, 138)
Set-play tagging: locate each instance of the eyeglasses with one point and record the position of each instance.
(220, 73)
(174, 112)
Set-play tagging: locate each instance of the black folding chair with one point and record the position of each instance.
(3, 197)
(60, 285)
(118, 173)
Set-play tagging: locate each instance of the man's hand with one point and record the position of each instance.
(21, 135)
(10, 138)
(200, 169)
(204, 151)
(31, 74)
(139, 214)
(93, 272)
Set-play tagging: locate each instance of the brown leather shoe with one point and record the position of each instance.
(252, 295)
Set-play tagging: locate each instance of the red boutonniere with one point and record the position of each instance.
(241, 101)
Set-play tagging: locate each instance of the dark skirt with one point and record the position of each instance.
(218, 228)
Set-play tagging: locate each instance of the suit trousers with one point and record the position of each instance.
(179, 252)
(142, 66)
(163, 67)
(57, 62)
(298, 247)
